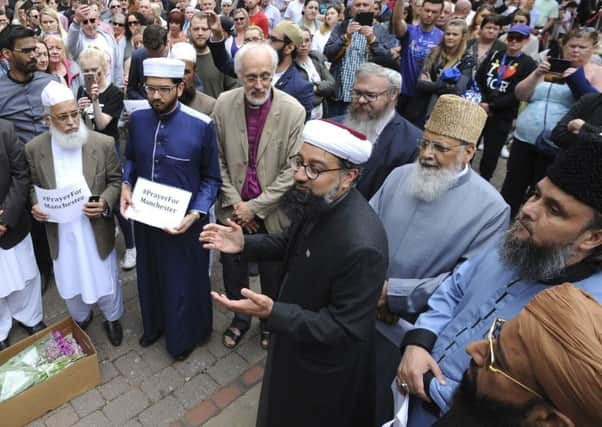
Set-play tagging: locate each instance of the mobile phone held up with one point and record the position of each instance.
(94, 199)
(558, 65)
(89, 80)
(364, 18)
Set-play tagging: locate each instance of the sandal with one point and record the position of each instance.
(235, 335)
(264, 339)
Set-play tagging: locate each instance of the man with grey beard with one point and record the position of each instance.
(82, 249)
(556, 238)
(437, 212)
(372, 112)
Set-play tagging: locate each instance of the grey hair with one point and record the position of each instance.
(253, 46)
(371, 69)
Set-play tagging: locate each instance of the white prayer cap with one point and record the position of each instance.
(183, 51)
(55, 93)
(338, 140)
(164, 68)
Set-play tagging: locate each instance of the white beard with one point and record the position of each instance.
(429, 184)
(369, 127)
(70, 141)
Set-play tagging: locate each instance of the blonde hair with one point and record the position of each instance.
(97, 55)
(439, 50)
(54, 15)
(60, 40)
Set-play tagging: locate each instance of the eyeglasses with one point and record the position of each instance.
(439, 147)
(115, 6)
(133, 22)
(253, 78)
(25, 50)
(74, 115)
(368, 96)
(119, 24)
(494, 332)
(238, 19)
(311, 172)
(274, 39)
(163, 90)
(89, 21)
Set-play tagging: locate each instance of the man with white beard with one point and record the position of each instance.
(437, 212)
(83, 249)
(372, 112)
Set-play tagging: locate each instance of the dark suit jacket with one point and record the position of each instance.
(14, 186)
(396, 146)
(320, 368)
(102, 172)
(136, 77)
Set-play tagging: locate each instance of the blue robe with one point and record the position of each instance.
(462, 311)
(177, 149)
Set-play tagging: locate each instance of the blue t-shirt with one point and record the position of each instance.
(415, 47)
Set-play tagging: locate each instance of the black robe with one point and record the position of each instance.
(320, 365)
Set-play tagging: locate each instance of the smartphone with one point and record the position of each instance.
(364, 18)
(558, 65)
(89, 80)
(94, 199)
(83, 2)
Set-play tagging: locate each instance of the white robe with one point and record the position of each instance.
(78, 269)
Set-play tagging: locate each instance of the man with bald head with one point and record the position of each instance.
(545, 368)
(463, 10)
(258, 128)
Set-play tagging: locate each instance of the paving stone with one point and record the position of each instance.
(88, 402)
(157, 358)
(107, 371)
(126, 406)
(114, 388)
(132, 423)
(226, 395)
(162, 413)
(200, 413)
(195, 390)
(251, 351)
(227, 369)
(162, 383)
(199, 361)
(133, 368)
(95, 419)
(61, 417)
(37, 423)
(252, 376)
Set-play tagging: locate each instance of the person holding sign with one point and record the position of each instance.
(172, 145)
(20, 287)
(82, 248)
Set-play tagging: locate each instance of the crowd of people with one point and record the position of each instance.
(328, 147)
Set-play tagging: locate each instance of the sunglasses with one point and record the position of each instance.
(515, 38)
(118, 24)
(115, 7)
(239, 19)
(25, 50)
(89, 21)
(133, 22)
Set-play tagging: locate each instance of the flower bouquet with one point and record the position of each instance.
(36, 363)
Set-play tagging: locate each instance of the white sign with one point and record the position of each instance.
(63, 204)
(158, 205)
(402, 405)
(132, 105)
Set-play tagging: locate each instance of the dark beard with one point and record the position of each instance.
(534, 262)
(187, 95)
(300, 205)
(469, 409)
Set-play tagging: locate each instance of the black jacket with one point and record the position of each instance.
(320, 366)
(14, 186)
(588, 109)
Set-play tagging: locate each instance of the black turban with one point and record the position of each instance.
(578, 172)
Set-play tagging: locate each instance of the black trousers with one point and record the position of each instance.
(236, 277)
(526, 166)
(495, 134)
(40, 247)
(388, 357)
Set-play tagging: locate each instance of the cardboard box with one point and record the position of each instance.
(56, 390)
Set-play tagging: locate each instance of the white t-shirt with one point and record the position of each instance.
(294, 11)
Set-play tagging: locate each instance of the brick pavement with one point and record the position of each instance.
(215, 387)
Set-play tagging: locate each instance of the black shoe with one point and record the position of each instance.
(183, 356)
(114, 332)
(35, 328)
(4, 344)
(86, 322)
(146, 341)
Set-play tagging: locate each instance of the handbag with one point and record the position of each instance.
(543, 142)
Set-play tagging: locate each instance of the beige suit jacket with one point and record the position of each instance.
(281, 138)
(102, 173)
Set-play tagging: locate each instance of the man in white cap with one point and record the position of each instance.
(192, 97)
(83, 249)
(437, 213)
(20, 287)
(174, 145)
(320, 363)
